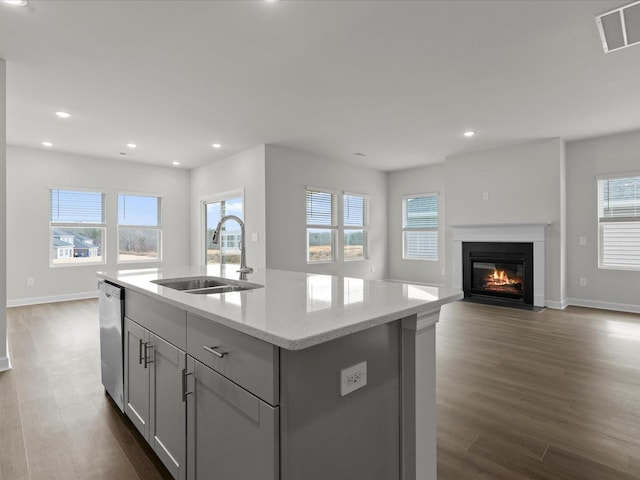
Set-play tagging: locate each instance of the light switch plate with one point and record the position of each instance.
(254, 237)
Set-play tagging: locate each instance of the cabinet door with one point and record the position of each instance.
(232, 434)
(168, 405)
(136, 377)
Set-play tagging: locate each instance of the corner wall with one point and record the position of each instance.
(524, 183)
(32, 172)
(244, 171)
(288, 173)
(586, 160)
(4, 353)
(406, 182)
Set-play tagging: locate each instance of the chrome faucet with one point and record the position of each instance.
(243, 259)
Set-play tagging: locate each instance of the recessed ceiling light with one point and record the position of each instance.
(131, 145)
(469, 133)
(216, 145)
(175, 162)
(63, 114)
(47, 144)
(16, 3)
(360, 154)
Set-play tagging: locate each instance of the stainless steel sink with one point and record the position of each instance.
(206, 285)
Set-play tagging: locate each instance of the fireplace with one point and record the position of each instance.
(498, 271)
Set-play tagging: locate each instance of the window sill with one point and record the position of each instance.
(619, 267)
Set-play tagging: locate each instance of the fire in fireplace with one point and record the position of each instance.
(502, 271)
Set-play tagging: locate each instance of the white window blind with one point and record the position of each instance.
(139, 228)
(619, 222)
(77, 227)
(320, 208)
(138, 210)
(73, 206)
(420, 227)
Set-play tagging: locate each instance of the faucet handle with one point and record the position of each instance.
(245, 270)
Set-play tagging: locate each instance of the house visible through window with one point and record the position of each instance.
(228, 250)
(139, 228)
(77, 227)
(322, 224)
(355, 223)
(619, 222)
(420, 227)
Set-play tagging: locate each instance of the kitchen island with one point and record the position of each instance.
(305, 377)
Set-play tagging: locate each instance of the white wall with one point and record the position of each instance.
(288, 173)
(616, 289)
(418, 180)
(4, 354)
(244, 171)
(524, 185)
(31, 173)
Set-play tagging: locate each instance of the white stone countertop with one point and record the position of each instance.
(294, 310)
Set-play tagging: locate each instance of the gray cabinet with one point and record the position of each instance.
(136, 376)
(232, 434)
(154, 399)
(167, 434)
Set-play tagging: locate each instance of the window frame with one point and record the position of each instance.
(78, 225)
(204, 201)
(406, 229)
(157, 228)
(604, 220)
(364, 227)
(333, 227)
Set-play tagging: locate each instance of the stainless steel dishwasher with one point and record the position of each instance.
(111, 303)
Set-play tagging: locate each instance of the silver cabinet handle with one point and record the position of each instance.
(146, 356)
(215, 352)
(184, 384)
(140, 352)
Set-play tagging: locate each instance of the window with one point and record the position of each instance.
(77, 227)
(139, 228)
(228, 250)
(420, 227)
(355, 210)
(322, 225)
(619, 222)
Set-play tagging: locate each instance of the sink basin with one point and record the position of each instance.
(206, 285)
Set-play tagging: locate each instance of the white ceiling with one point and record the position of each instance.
(399, 81)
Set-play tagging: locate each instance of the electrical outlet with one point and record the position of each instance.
(485, 195)
(254, 237)
(582, 241)
(30, 282)
(583, 282)
(353, 378)
(373, 269)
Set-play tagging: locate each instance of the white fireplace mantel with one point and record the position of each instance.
(504, 232)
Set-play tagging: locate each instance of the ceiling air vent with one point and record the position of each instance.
(620, 28)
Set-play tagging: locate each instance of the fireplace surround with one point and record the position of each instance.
(534, 233)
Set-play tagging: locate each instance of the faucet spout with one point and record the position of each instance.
(244, 270)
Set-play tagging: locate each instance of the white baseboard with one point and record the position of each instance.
(618, 307)
(21, 302)
(561, 305)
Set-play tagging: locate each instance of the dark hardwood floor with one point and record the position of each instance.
(56, 422)
(548, 395)
(521, 395)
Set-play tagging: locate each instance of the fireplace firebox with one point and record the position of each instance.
(502, 272)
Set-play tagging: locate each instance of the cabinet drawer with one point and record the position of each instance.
(160, 318)
(247, 361)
